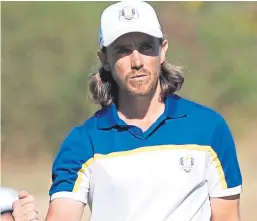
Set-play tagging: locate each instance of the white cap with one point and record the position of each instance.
(126, 17)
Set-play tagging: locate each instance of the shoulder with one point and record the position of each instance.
(211, 124)
(202, 121)
(87, 127)
(201, 113)
(80, 136)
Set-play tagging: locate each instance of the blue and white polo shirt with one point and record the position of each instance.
(168, 172)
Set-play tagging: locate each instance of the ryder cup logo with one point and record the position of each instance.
(128, 13)
(187, 163)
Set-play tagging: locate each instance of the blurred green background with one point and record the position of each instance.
(49, 50)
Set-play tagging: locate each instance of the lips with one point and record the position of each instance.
(138, 76)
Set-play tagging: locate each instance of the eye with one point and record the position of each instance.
(123, 51)
(145, 47)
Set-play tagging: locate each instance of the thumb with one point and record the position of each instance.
(23, 194)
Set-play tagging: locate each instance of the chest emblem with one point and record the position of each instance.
(187, 162)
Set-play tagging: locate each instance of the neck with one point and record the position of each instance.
(145, 107)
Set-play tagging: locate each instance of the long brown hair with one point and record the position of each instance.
(104, 89)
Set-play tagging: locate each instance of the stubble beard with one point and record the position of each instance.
(141, 87)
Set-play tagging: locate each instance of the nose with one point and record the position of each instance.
(136, 60)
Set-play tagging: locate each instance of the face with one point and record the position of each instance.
(135, 60)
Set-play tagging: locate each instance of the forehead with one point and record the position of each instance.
(134, 38)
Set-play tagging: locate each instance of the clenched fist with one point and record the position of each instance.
(24, 209)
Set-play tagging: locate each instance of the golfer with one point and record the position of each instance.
(147, 154)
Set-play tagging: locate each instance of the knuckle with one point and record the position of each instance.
(16, 204)
(31, 198)
(16, 216)
(31, 215)
(28, 199)
(28, 208)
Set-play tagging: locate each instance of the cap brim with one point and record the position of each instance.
(157, 33)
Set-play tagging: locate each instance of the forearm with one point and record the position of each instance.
(225, 208)
(65, 210)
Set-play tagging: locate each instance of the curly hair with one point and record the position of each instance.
(104, 89)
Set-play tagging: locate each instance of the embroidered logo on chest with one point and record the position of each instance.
(187, 163)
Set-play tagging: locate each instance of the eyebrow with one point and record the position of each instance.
(121, 46)
(148, 41)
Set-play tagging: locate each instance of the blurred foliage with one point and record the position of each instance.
(49, 48)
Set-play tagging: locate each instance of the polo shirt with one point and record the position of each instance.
(169, 172)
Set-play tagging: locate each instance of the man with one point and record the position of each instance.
(7, 198)
(148, 154)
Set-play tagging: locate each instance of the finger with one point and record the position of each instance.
(32, 215)
(17, 211)
(16, 206)
(28, 199)
(17, 216)
(28, 208)
(23, 194)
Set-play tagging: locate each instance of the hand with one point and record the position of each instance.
(24, 209)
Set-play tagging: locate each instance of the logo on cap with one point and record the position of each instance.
(128, 13)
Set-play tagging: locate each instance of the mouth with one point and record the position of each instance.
(139, 76)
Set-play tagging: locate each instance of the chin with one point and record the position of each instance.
(140, 92)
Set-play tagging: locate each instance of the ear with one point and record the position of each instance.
(102, 57)
(164, 48)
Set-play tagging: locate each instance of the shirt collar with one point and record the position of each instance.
(175, 107)
(108, 116)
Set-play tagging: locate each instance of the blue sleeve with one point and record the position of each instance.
(71, 167)
(224, 175)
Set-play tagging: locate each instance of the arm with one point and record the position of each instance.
(225, 208)
(71, 178)
(224, 176)
(58, 210)
(70, 187)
